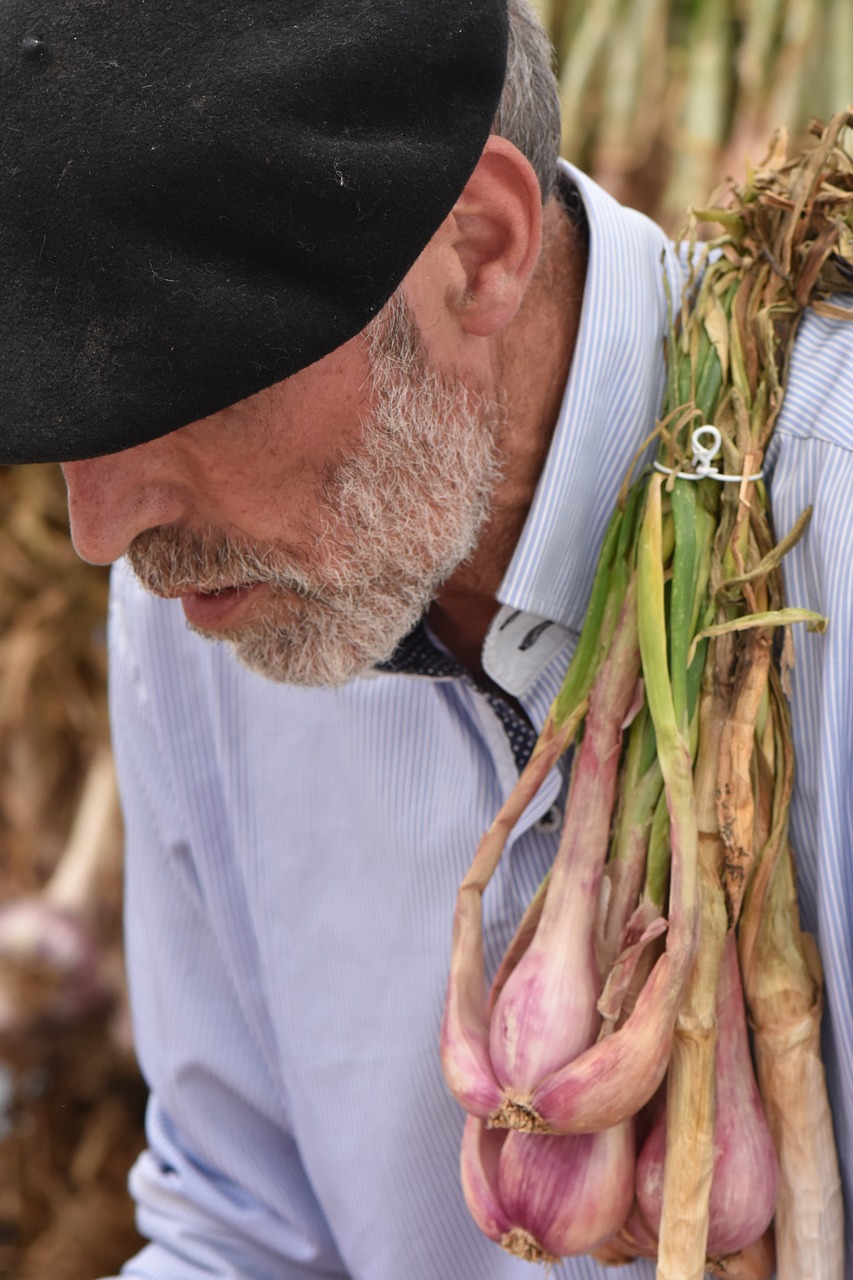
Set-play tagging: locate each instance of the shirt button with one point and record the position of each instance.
(550, 821)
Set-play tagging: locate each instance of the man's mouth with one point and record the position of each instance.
(218, 610)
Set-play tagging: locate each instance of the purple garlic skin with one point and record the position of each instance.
(545, 1197)
(744, 1182)
(557, 972)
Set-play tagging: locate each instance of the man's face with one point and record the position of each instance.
(312, 549)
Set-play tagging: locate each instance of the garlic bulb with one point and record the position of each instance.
(543, 1198)
(743, 1187)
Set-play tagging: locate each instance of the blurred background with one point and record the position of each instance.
(662, 99)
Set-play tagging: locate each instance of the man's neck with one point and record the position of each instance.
(532, 356)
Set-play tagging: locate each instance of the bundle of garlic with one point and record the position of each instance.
(672, 893)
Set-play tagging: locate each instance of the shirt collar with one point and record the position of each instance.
(609, 408)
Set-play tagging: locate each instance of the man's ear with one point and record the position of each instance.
(497, 235)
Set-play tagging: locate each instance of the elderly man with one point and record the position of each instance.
(345, 371)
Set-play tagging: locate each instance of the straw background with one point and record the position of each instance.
(661, 98)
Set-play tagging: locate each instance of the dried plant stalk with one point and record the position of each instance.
(783, 982)
(661, 98)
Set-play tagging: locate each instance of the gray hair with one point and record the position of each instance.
(529, 111)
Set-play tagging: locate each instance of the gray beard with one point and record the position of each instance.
(400, 514)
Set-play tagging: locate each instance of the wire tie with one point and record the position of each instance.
(703, 459)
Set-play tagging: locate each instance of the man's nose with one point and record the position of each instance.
(114, 498)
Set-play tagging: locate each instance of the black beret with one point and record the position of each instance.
(198, 198)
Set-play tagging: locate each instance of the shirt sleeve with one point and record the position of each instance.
(203, 1226)
(221, 1192)
(821, 577)
(812, 466)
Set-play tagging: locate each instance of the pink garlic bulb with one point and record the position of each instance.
(743, 1188)
(545, 1197)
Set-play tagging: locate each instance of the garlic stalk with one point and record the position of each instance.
(640, 788)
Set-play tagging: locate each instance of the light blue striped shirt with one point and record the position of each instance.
(293, 856)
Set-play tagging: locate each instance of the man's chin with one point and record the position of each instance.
(311, 661)
(312, 642)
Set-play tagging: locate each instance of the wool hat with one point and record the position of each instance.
(198, 199)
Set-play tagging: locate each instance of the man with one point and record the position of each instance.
(350, 382)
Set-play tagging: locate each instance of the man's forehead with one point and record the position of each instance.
(197, 201)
